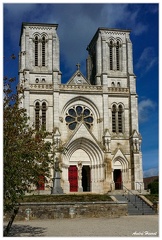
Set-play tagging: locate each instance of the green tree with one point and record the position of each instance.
(25, 151)
(154, 186)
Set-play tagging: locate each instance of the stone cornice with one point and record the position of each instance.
(118, 90)
(80, 87)
(84, 88)
(41, 86)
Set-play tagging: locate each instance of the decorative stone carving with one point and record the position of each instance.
(57, 138)
(107, 140)
(136, 139)
(61, 119)
(80, 170)
(99, 120)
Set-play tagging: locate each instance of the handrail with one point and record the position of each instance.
(129, 191)
(140, 184)
(135, 196)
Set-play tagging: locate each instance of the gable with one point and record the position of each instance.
(118, 155)
(77, 79)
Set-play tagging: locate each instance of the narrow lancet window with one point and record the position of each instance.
(44, 115)
(114, 118)
(37, 112)
(111, 55)
(43, 51)
(36, 51)
(117, 56)
(120, 122)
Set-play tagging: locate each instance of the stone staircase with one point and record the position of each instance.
(136, 205)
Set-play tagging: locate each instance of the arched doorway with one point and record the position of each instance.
(86, 178)
(82, 153)
(118, 179)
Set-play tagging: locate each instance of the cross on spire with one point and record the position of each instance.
(78, 66)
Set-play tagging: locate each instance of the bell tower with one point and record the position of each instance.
(110, 65)
(110, 57)
(39, 65)
(39, 53)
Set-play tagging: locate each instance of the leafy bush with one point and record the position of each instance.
(154, 187)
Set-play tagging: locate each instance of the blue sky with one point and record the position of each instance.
(78, 23)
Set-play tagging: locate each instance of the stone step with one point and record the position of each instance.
(138, 207)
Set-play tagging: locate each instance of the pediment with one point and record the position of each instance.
(77, 79)
(135, 134)
(82, 131)
(57, 132)
(119, 154)
(107, 133)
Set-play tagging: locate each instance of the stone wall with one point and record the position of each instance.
(31, 211)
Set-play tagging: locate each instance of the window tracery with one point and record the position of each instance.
(77, 114)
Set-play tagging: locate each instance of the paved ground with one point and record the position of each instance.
(130, 226)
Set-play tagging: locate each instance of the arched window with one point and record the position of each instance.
(37, 80)
(120, 122)
(44, 108)
(36, 51)
(118, 84)
(117, 56)
(117, 119)
(43, 51)
(37, 112)
(111, 55)
(114, 111)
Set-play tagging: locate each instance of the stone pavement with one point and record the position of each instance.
(130, 226)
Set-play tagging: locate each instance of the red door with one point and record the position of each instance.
(41, 183)
(73, 178)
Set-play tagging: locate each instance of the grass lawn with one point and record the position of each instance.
(67, 198)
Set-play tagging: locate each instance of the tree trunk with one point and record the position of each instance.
(7, 229)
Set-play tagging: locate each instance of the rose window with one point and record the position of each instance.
(78, 114)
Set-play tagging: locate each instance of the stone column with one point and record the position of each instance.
(80, 188)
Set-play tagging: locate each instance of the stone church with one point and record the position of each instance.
(95, 118)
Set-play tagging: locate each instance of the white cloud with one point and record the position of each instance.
(147, 59)
(151, 172)
(140, 28)
(145, 107)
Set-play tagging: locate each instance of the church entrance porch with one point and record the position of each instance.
(118, 179)
(87, 158)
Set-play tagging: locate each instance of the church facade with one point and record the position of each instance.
(94, 118)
